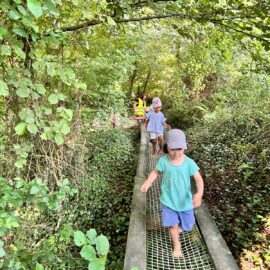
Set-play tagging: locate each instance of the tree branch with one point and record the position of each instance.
(96, 22)
(148, 18)
(147, 2)
(241, 31)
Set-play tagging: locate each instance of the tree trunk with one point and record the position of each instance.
(131, 83)
(146, 81)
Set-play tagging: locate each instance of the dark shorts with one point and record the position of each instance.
(185, 219)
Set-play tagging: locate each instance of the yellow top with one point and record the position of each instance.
(139, 110)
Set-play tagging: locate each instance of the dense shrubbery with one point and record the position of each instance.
(46, 238)
(105, 195)
(232, 148)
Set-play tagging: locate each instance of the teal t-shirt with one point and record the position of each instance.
(176, 190)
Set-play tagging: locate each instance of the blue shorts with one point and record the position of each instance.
(170, 218)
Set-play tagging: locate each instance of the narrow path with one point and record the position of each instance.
(149, 245)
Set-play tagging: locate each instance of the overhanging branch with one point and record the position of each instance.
(147, 18)
(241, 31)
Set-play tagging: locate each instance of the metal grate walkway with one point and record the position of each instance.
(158, 242)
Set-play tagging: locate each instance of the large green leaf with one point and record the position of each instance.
(88, 253)
(51, 7)
(5, 50)
(19, 31)
(20, 163)
(65, 129)
(96, 265)
(3, 89)
(35, 7)
(79, 238)
(34, 189)
(59, 139)
(19, 52)
(3, 32)
(14, 15)
(110, 21)
(22, 10)
(20, 128)
(102, 245)
(23, 91)
(91, 234)
(39, 267)
(53, 98)
(40, 89)
(32, 128)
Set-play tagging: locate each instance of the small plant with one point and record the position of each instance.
(95, 255)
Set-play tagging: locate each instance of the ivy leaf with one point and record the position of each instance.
(14, 15)
(96, 265)
(3, 32)
(53, 98)
(3, 89)
(20, 32)
(35, 7)
(102, 245)
(34, 190)
(5, 50)
(22, 10)
(59, 139)
(65, 129)
(20, 128)
(32, 128)
(66, 114)
(39, 267)
(110, 21)
(23, 91)
(51, 7)
(91, 234)
(20, 163)
(79, 238)
(88, 253)
(20, 52)
(40, 89)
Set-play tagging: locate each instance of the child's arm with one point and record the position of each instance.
(149, 181)
(166, 125)
(197, 197)
(146, 122)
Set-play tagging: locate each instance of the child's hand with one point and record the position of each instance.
(197, 200)
(146, 185)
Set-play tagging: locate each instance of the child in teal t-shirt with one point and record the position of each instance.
(176, 197)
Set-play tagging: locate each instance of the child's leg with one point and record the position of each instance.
(170, 219)
(174, 232)
(160, 142)
(154, 143)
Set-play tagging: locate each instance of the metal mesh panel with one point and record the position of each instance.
(158, 242)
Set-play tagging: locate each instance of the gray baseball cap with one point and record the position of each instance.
(176, 138)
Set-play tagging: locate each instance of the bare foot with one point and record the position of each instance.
(177, 252)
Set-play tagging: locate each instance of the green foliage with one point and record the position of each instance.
(232, 147)
(95, 256)
(57, 85)
(18, 192)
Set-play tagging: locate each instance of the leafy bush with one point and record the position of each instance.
(232, 148)
(106, 192)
